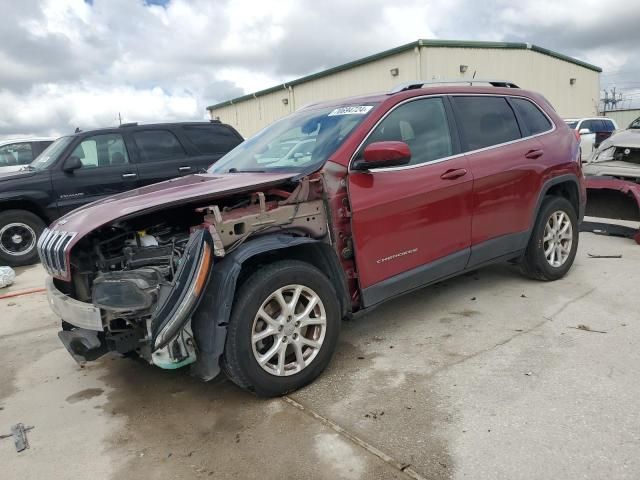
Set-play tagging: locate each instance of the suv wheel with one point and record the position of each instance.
(19, 233)
(283, 329)
(554, 241)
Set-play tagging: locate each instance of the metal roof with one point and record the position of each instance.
(409, 46)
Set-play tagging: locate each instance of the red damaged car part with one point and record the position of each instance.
(613, 198)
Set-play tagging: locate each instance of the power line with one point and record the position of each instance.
(611, 98)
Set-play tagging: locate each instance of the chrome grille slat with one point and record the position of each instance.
(57, 265)
(47, 249)
(52, 250)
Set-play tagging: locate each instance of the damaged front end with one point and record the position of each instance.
(144, 308)
(134, 285)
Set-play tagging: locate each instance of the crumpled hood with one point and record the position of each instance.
(161, 195)
(624, 138)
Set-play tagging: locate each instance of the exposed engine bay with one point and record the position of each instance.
(146, 274)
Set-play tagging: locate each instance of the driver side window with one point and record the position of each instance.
(101, 151)
(421, 124)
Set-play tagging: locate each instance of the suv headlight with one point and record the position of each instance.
(604, 155)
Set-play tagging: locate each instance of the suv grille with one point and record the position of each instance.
(51, 248)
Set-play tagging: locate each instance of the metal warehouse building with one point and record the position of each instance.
(571, 85)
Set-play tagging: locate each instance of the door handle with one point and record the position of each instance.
(184, 169)
(129, 175)
(453, 174)
(533, 154)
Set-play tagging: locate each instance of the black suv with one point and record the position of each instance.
(87, 166)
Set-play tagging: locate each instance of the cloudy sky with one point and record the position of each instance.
(68, 63)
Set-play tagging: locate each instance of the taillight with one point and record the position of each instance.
(577, 134)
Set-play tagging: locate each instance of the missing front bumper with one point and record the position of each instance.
(83, 345)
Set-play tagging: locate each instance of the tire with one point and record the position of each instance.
(240, 358)
(535, 262)
(19, 225)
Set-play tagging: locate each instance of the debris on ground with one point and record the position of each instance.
(528, 374)
(523, 296)
(591, 255)
(587, 328)
(374, 415)
(7, 276)
(473, 298)
(612, 230)
(19, 434)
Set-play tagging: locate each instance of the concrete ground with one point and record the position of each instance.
(487, 376)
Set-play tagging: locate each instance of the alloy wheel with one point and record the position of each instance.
(288, 330)
(558, 238)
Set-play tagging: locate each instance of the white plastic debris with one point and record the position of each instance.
(7, 276)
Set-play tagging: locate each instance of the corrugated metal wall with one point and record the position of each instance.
(529, 69)
(624, 117)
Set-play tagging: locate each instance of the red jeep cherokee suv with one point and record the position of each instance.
(251, 266)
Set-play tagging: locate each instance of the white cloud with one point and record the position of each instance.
(68, 63)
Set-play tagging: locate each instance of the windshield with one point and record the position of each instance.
(635, 124)
(51, 153)
(299, 143)
(571, 124)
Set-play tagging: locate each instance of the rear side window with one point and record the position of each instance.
(158, 145)
(16, 154)
(211, 138)
(534, 120)
(607, 126)
(486, 121)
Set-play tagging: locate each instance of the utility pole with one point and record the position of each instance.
(612, 98)
(119, 119)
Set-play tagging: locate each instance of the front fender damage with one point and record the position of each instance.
(162, 286)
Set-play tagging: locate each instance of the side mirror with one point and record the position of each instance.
(584, 131)
(71, 164)
(383, 154)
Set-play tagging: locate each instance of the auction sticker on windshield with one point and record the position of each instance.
(351, 110)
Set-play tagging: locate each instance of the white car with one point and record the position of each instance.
(16, 153)
(588, 128)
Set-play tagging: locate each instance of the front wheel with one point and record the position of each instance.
(19, 233)
(283, 329)
(554, 241)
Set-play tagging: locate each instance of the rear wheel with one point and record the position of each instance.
(19, 233)
(283, 329)
(554, 241)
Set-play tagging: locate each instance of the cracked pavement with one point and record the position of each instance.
(486, 376)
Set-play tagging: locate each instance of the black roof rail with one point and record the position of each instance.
(131, 124)
(214, 120)
(421, 83)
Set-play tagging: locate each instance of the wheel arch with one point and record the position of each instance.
(209, 322)
(566, 186)
(22, 204)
